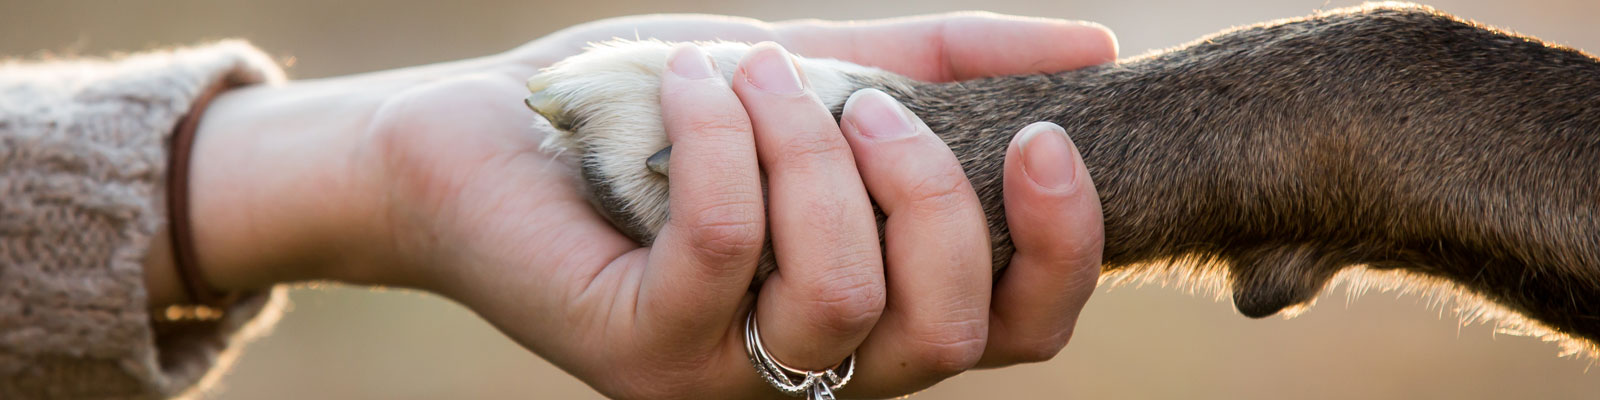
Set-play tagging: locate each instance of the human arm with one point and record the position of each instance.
(350, 179)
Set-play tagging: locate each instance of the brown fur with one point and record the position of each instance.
(1392, 137)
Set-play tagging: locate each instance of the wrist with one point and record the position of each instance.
(288, 182)
(286, 185)
(276, 193)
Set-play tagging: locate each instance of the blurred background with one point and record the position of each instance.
(1131, 343)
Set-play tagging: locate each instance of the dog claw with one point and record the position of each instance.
(658, 162)
(538, 83)
(544, 104)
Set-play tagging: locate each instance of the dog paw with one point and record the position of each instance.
(605, 106)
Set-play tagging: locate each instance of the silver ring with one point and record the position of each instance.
(817, 385)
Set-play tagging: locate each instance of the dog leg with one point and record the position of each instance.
(1270, 157)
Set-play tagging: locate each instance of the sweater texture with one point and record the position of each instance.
(83, 164)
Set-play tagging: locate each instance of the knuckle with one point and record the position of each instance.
(1088, 251)
(947, 352)
(847, 305)
(726, 233)
(1039, 348)
(813, 146)
(1078, 255)
(939, 193)
(718, 122)
(826, 217)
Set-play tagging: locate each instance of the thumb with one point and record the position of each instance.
(1049, 196)
(1054, 216)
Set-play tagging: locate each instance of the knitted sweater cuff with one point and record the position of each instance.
(83, 159)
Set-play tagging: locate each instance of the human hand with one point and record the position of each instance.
(937, 321)
(429, 178)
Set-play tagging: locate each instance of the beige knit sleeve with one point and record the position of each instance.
(83, 158)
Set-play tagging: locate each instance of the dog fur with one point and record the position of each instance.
(1433, 151)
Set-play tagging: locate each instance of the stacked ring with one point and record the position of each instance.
(817, 385)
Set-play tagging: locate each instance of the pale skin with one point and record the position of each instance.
(431, 178)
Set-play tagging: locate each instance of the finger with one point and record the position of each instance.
(936, 244)
(828, 290)
(1054, 216)
(701, 264)
(956, 46)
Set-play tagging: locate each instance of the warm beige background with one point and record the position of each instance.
(1132, 343)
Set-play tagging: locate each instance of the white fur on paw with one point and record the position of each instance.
(605, 103)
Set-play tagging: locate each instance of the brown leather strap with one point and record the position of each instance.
(182, 234)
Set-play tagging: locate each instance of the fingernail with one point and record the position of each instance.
(1047, 155)
(872, 113)
(690, 62)
(770, 68)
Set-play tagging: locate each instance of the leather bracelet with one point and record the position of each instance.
(209, 301)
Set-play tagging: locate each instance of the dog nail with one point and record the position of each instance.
(538, 82)
(658, 162)
(1047, 155)
(544, 104)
